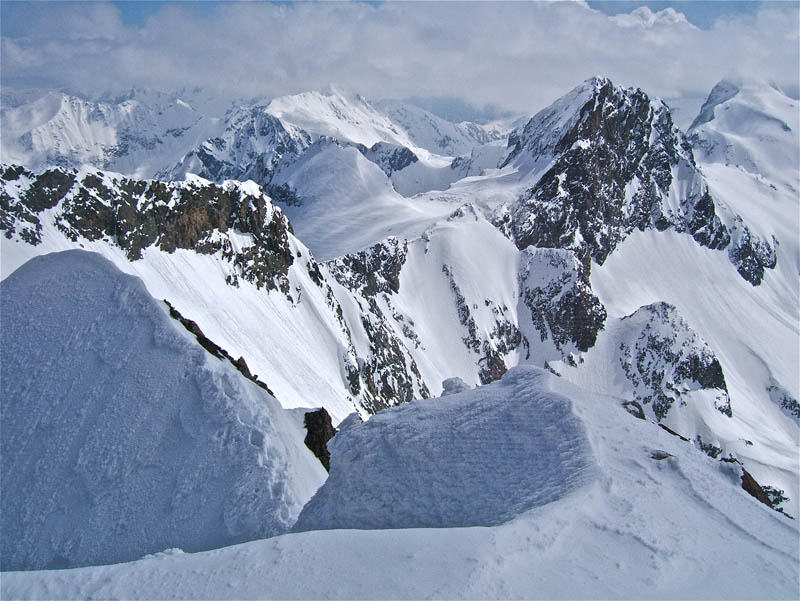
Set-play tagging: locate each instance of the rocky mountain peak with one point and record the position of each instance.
(612, 161)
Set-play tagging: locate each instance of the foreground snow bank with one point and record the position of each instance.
(475, 458)
(659, 520)
(121, 436)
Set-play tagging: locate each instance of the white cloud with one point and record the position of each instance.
(644, 17)
(518, 55)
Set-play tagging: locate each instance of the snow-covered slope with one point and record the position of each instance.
(530, 262)
(138, 135)
(508, 448)
(436, 134)
(753, 332)
(753, 126)
(653, 519)
(122, 436)
(347, 203)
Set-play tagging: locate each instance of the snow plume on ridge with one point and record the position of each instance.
(122, 436)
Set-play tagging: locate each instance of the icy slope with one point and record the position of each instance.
(122, 436)
(467, 459)
(659, 520)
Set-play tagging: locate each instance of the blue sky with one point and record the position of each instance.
(518, 55)
(699, 12)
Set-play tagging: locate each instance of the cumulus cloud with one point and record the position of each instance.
(517, 55)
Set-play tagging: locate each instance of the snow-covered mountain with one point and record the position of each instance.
(612, 162)
(601, 243)
(753, 126)
(138, 134)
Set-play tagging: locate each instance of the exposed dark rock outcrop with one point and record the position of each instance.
(664, 360)
(389, 157)
(320, 431)
(389, 374)
(617, 163)
(753, 488)
(554, 286)
(137, 214)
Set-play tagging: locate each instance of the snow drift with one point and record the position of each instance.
(475, 458)
(121, 436)
(658, 519)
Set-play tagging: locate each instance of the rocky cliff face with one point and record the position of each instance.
(613, 162)
(389, 373)
(555, 288)
(665, 360)
(253, 146)
(389, 157)
(236, 220)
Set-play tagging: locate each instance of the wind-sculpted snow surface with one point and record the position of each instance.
(121, 436)
(649, 517)
(475, 458)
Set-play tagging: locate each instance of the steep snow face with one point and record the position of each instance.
(253, 146)
(753, 126)
(455, 310)
(655, 518)
(122, 436)
(138, 135)
(506, 449)
(752, 331)
(611, 161)
(436, 134)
